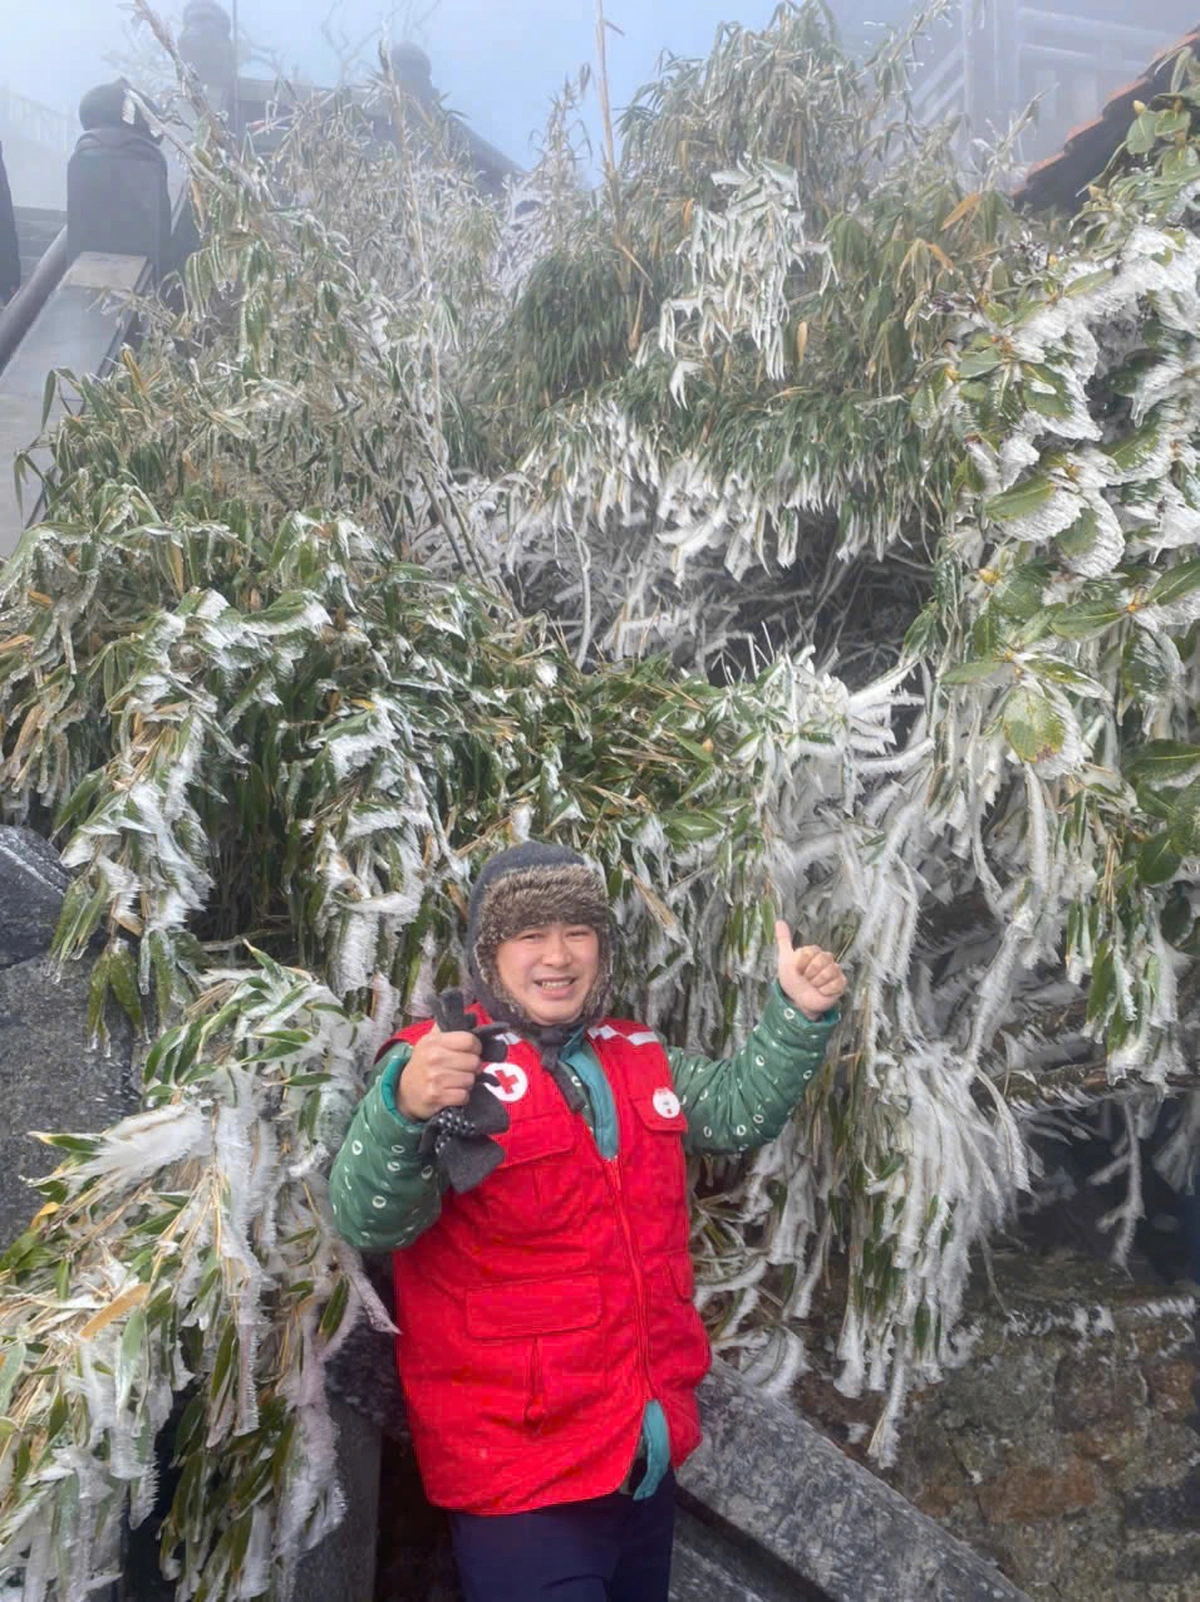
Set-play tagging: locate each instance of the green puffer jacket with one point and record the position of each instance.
(733, 1104)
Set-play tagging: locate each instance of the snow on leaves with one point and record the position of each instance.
(744, 409)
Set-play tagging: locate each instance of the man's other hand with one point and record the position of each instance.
(808, 976)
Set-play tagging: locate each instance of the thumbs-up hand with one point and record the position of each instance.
(808, 976)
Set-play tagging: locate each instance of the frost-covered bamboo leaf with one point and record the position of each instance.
(788, 524)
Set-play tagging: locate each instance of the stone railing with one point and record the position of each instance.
(127, 223)
(29, 120)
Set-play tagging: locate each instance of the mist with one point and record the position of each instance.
(499, 63)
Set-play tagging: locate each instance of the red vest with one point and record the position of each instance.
(546, 1307)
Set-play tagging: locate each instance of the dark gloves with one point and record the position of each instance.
(460, 1137)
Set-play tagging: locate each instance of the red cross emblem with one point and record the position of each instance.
(511, 1081)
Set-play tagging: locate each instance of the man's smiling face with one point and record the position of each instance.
(549, 970)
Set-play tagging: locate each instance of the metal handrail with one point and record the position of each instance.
(19, 315)
(21, 117)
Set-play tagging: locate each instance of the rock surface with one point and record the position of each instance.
(51, 1077)
(1067, 1447)
(33, 882)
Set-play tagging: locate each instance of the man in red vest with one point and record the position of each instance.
(525, 1162)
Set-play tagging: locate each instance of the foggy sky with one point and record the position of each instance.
(498, 62)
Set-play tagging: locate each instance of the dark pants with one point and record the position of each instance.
(612, 1549)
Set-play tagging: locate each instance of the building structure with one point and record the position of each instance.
(37, 141)
(990, 59)
(261, 106)
(1060, 180)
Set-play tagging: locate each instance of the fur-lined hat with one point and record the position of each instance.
(523, 888)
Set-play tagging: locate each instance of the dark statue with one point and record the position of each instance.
(206, 43)
(414, 72)
(118, 200)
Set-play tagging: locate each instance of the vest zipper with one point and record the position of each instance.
(612, 1173)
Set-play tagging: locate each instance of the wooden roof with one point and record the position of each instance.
(1059, 180)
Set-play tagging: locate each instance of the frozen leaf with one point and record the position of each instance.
(1034, 728)
(1023, 500)
(1183, 831)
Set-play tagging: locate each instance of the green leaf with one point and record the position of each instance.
(122, 976)
(977, 363)
(59, 1416)
(925, 632)
(11, 1365)
(28, 1252)
(1065, 673)
(335, 1309)
(1158, 859)
(77, 1145)
(1131, 454)
(1160, 760)
(1046, 391)
(689, 826)
(1089, 281)
(1104, 982)
(1020, 501)
(224, 1365)
(1142, 135)
(972, 672)
(1183, 831)
(1180, 581)
(1146, 664)
(98, 997)
(129, 1356)
(1169, 122)
(988, 636)
(1033, 726)
(1081, 536)
(924, 406)
(1019, 593)
(1083, 620)
(49, 390)
(1156, 804)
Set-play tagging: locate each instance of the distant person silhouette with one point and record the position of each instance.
(10, 251)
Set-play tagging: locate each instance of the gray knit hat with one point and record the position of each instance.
(523, 888)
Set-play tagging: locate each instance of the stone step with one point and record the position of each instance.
(714, 1563)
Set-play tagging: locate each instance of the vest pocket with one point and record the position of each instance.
(684, 1274)
(662, 1112)
(531, 1189)
(678, 1338)
(666, 1124)
(545, 1337)
(536, 1135)
(533, 1307)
